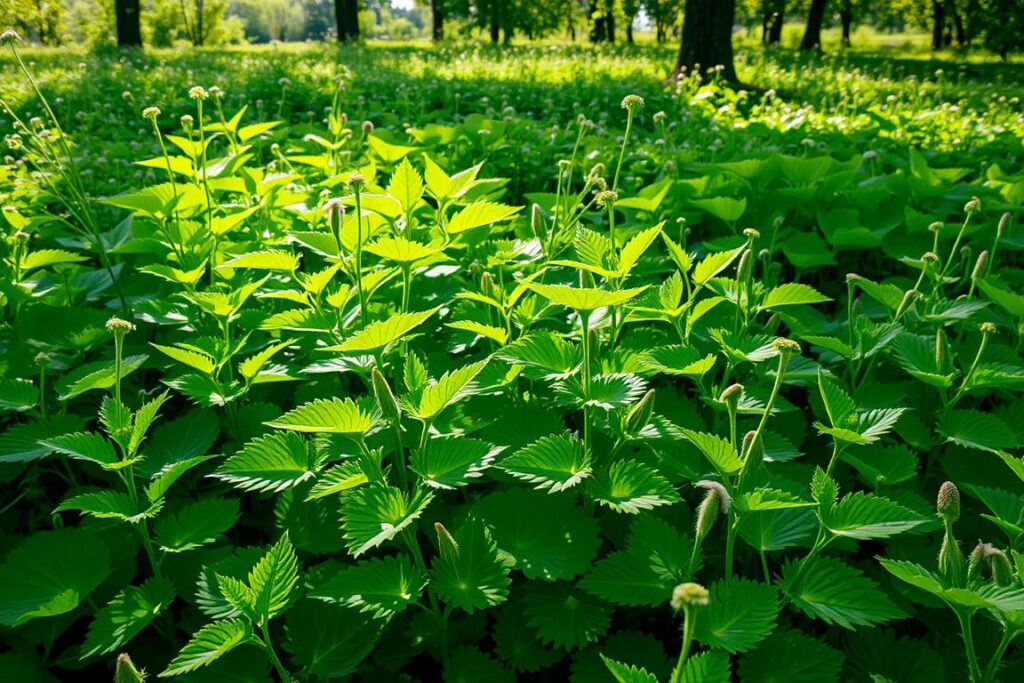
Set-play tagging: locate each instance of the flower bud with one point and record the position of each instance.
(119, 327)
(446, 545)
(1004, 223)
(356, 181)
(716, 501)
(988, 328)
(951, 559)
(632, 102)
(198, 92)
(979, 265)
(537, 222)
(976, 562)
(640, 413)
(687, 594)
(126, 671)
(973, 206)
(941, 357)
(731, 395)
(1002, 570)
(786, 346)
(151, 113)
(385, 397)
(745, 268)
(948, 503)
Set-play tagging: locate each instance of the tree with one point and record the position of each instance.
(129, 28)
(812, 33)
(346, 14)
(664, 14)
(437, 14)
(773, 16)
(707, 37)
(630, 8)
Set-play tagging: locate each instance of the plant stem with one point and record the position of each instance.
(359, 256)
(689, 621)
(585, 379)
(993, 664)
(972, 657)
(268, 646)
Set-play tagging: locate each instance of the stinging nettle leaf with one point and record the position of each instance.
(552, 463)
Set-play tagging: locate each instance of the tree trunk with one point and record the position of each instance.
(129, 33)
(938, 23)
(815, 17)
(609, 22)
(346, 14)
(495, 21)
(437, 12)
(707, 37)
(846, 18)
(775, 27)
(958, 25)
(200, 37)
(629, 30)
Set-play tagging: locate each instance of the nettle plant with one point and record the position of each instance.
(321, 406)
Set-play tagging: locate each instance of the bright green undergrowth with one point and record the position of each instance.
(533, 387)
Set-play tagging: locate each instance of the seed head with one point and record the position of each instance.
(659, 117)
(687, 594)
(9, 37)
(988, 328)
(979, 265)
(198, 92)
(935, 226)
(119, 326)
(973, 206)
(930, 257)
(216, 91)
(632, 102)
(606, 197)
(151, 113)
(1004, 223)
(783, 345)
(367, 127)
(356, 181)
(948, 504)
(751, 233)
(284, 82)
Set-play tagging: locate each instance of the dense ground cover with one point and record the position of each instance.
(457, 362)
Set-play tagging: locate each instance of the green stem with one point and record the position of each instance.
(835, 457)
(359, 256)
(993, 664)
(268, 646)
(783, 360)
(972, 657)
(730, 542)
(585, 379)
(689, 621)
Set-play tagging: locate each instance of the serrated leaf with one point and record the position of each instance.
(327, 640)
(40, 258)
(630, 486)
(473, 577)
(836, 593)
(718, 450)
(373, 515)
(713, 264)
(273, 578)
(97, 376)
(196, 524)
(793, 657)
(792, 294)
(740, 613)
(268, 259)
(490, 331)
(126, 615)
(707, 667)
(625, 673)
(554, 357)
(209, 643)
(272, 463)
(50, 573)
(606, 392)
(84, 446)
(676, 359)
(974, 429)
(401, 250)
(202, 362)
(329, 416)
(563, 617)
(343, 477)
(552, 463)
(17, 395)
(448, 389)
(584, 298)
(627, 577)
(380, 334)
(406, 185)
(450, 461)
(251, 366)
(862, 516)
(479, 214)
(108, 505)
(383, 586)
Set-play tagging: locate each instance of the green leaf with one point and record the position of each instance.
(584, 298)
(727, 209)
(196, 524)
(268, 259)
(630, 486)
(838, 404)
(273, 578)
(448, 389)
(680, 360)
(17, 395)
(126, 615)
(165, 478)
(545, 537)
(792, 294)
(635, 248)
(85, 446)
(627, 577)
(327, 640)
(606, 392)
(380, 334)
(974, 429)
(372, 515)
(740, 613)
(51, 573)
(1008, 300)
(480, 214)
(42, 258)
(624, 673)
(836, 593)
(329, 416)
(108, 505)
(343, 477)
(793, 657)
(713, 264)
(862, 516)
(401, 250)
(210, 642)
(718, 450)
(271, 463)
(473, 577)
(552, 463)
(564, 617)
(251, 366)
(990, 596)
(545, 352)
(490, 331)
(451, 461)
(383, 586)
(202, 362)
(406, 185)
(707, 667)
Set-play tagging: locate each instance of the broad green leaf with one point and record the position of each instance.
(450, 388)
(126, 615)
(401, 250)
(635, 248)
(194, 359)
(96, 376)
(740, 613)
(273, 578)
(373, 515)
(271, 463)
(707, 667)
(42, 258)
(480, 214)
(251, 366)
(51, 573)
(490, 331)
(862, 516)
(108, 505)
(269, 259)
(347, 475)
(451, 461)
(196, 524)
(724, 208)
(329, 416)
(381, 334)
(713, 264)
(606, 392)
(630, 486)
(209, 643)
(472, 576)
(718, 450)
(329, 641)
(584, 299)
(85, 446)
(563, 617)
(406, 185)
(552, 463)
(792, 294)
(17, 395)
(827, 589)
(627, 577)
(974, 429)
(790, 656)
(625, 673)
(548, 354)
(383, 586)
(676, 359)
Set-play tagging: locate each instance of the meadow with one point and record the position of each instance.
(478, 363)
